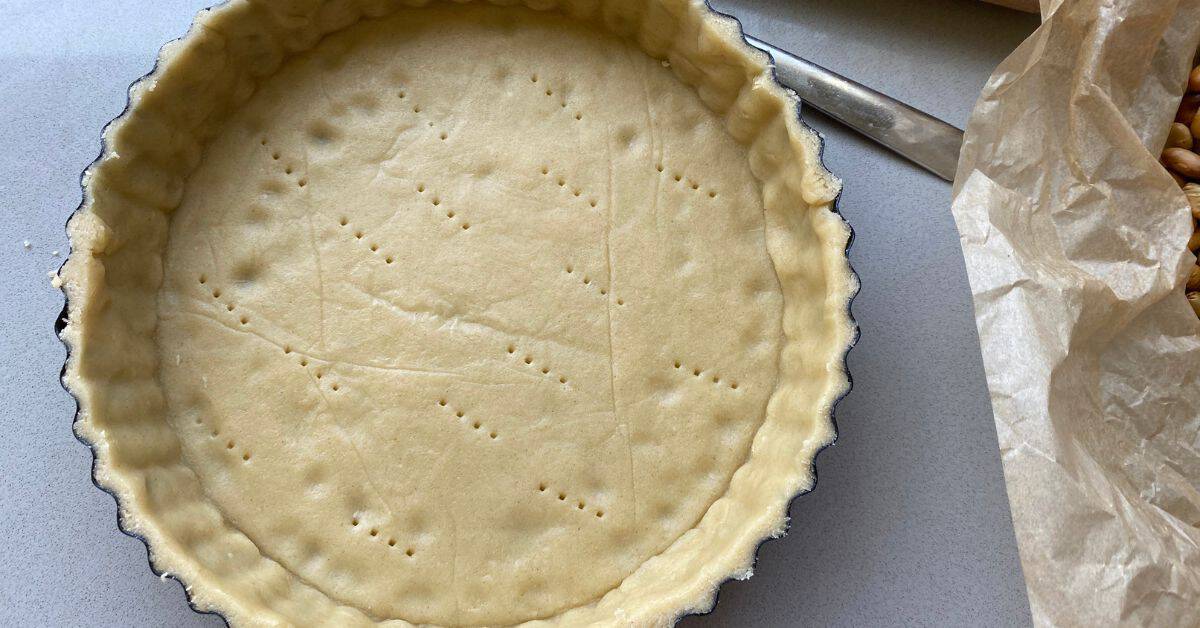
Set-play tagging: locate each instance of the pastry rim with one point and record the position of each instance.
(700, 603)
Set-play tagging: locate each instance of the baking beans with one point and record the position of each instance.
(1180, 136)
(1183, 163)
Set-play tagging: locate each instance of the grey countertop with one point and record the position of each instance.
(909, 524)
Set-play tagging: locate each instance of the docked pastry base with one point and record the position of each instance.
(391, 315)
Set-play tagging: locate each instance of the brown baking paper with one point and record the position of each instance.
(1075, 244)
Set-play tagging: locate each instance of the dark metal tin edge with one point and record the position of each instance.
(856, 332)
(60, 324)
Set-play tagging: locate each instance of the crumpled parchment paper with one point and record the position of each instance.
(1075, 245)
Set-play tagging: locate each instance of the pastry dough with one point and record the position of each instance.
(457, 315)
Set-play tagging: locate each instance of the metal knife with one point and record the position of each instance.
(910, 132)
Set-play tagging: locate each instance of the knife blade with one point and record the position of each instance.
(913, 134)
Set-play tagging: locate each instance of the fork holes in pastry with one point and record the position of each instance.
(533, 78)
(334, 387)
(409, 552)
(545, 170)
(562, 497)
(216, 293)
(442, 136)
(459, 414)
(246, 457)
(528, 359)
(436, 201)
(203, 279)
(580, 505)
(541, 488)
(374, 532)
(287, 170)
(696, 372)
(374, 247)
(442, 402)
(511, 348)
(620, 301)
(416, 108)
(545, 370)
(389, 259)
(678, 177)
(421, 188)
(599, 514)
(659, 167)
(343, 221)
(450, 214)
(303, 361)
(229, 307)
(391, 542)
(229, 445)
(570, 269)
(476, 425)
(579, 116)
(562, 380)
(466, 225)
(354, 522)
(493, 435)
(358, 235)
(287, 349)
(302, 182)
(244, 320)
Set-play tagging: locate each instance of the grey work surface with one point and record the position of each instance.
(909, 524)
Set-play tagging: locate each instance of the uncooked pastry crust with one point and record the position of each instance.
(457, 315)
